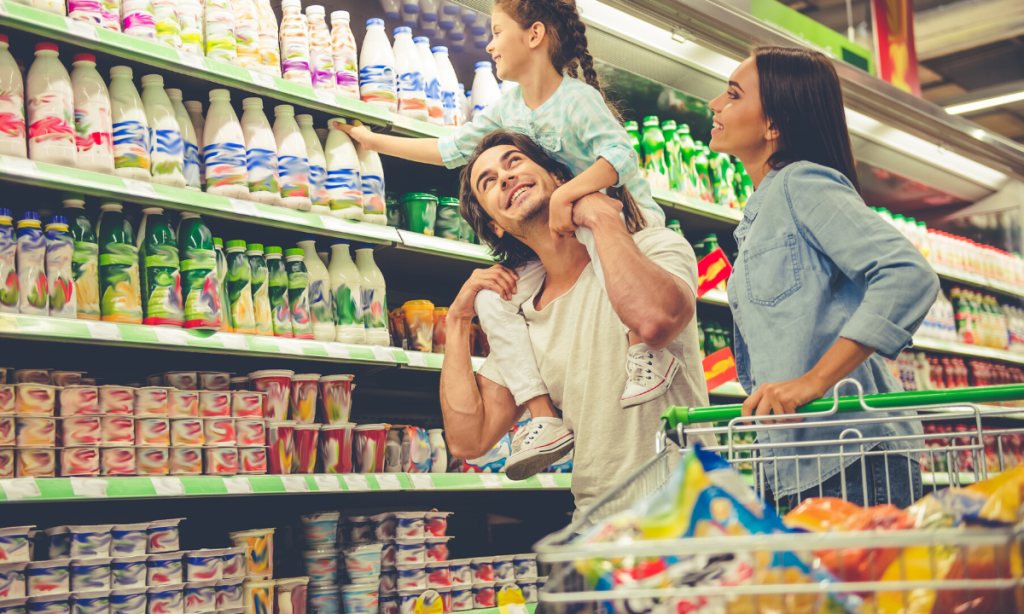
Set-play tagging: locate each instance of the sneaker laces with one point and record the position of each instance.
(638, 367)
(525, 435)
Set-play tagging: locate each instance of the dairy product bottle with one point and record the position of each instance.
(428, 10)
(457, 36)
(321, 54)
(317, 166)
(375, 313)
(320, 309)
(110, 14)
(409, 12)
(33, 292)
(449, 86)
(188, 139)
(377, 68)
(51, 109)
(465, 103)
(412, 101)
(480, 41)
(260, 154)
(325, 257)
(371, 177)
(298, 294)
(138, 19)
(85, 265)
(448, 14)
(262, 318)
(346, 57)
(485, 88)
(219, 31)
(224, 149)
(347, 296)
(93, 127)
(280, 308)
(294, 43)
(120, 294)
(292, 161)
(247, 34)
(60, 249)
(239, 286)
(195, 113)
(429, 28)
(89, 11)
(190, 22)
(8, 264)
(131, 127)
(431, 84)
(166, 148)
(270, 51)
(159, 268)
(221, 269)
(200, 287)
(12, 104)
(168, 24)
(344, 186)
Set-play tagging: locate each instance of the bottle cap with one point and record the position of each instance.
(295, 251)
(284, 109)
(5, 212)
(331, 123)
(314, 9)
(84, 57)
(668, 124)
(273, 249)
(236, 244)
(439, 49)
(173, 93)
(58, 219)
(219, 95)
(73, 199)
(480, 65)
(651, 120)
(402, 30)
(3, 38)
(304, 119)
(421, 40)
(376, 21)
(254, 247)
(306, 238)
(46, 47)
(30, 215)
(339, 242)
(218, 241)
(630, 125)
(253, 103)
(110, 206)
(152, 80)
(339, 16)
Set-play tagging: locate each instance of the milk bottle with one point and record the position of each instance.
(292, 161)
(377, 68)
(89, 11)
(375, 313)
(448, 15)
(344, 186)
(294, 43)
(346, 58)
(485, 88)
(33, 293)
(60, 248)
(371, 176)
(168, 24)
(12, 104)
(247, 34)
(270, 51)
(465, 104)
(190, 21)
(320, 309)
(85, 264)
(321, 54)
(412, 101)
(195, 113)
(391, 8)
(131, 127)
(431, 85)
(188, 137)
(261, 154)
(219, 30)
(317, 166)
(347, 296)
(224, 149)
(166, 149)
(8, 267)
(138, 20)
(449, 83)
(94, 138)
(51, 109)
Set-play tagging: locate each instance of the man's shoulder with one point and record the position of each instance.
(651, 239)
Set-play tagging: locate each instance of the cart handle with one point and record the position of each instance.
(685, 416)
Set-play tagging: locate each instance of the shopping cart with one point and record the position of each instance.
(966, 454)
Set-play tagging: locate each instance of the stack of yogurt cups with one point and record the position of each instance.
(350, 571)
(414, 560)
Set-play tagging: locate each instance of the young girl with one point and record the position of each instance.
(541, 45)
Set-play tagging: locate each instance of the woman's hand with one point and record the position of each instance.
(497, 278)
(361, 134)
(781, 398)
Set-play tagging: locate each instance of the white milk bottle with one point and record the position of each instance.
(449, 87)
(138, 20)
(131, 126)
(260, 153)
(224, 149)
(94, 137)
(485, 88)
(465, 104)
(428, 10)
(190, 22)
(321, 54)
(431, 85)
(371, 176)
(168, 24)
(247, 34)
(409, 13)
(188, 138)
(317, 166)
(448, 14)
(344, 186)
(347, 295)
(292, 161)
(391, 8)
(51, 109)
(8, 267)
(375, 312)
(428, 28)
(320, 309)
(377, 68)
(412, 101)
(166, 149)
(12, 104)
(457, 36)
(195, 113)
(294, 43)
(270, 49)
(219, 31)
(346, 57)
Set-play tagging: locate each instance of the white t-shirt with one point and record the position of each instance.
(581, 345)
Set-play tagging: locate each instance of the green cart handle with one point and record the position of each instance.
(685, 416)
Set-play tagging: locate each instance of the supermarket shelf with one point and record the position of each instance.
(444, 247)
(942, 479)
(962, 349)
(729, 389)
(159, 487)
(697, 207)
(715, 297)
(978, 280)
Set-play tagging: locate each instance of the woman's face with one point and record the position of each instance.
(740, 128)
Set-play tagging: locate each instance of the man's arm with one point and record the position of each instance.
(648, 299)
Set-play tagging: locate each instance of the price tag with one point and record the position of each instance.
(388, 481)
(547, 480)
(294, 483)
(191, 59)
(326, 97)
(491, 480)
(233, 341)
(244, 207)
(416, 359)
(20, 488)
(337, 350)
(333, 223)
(103, 330)
(3, 8)
(289, 346)
(89, 487)
(383, 354)
(327, 483)
(401, 121)
(421, 481)
(80, 28)
(168, 487)
(354, 481)
(9, 324)
(21, 166)
(238, 486)
(171, 336)
(263, 79)
(139, 188)
(513, 608)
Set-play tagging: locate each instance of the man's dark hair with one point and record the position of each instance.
(508, 250)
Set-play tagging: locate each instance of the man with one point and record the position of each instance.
(576, 327)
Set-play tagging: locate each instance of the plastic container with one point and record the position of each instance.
(368, 447)
(292, 159)
(12, 580)
(33, 293)
(161, 277)
(90, 574)
(281, 441)
(437, 548)
(419, 210)
(118, 461)
(321, 565)
(431, 82)
(214, 403)
(298, 294)
(259, 551)
(48, 577)
(130, 127)
(12, 107)
(389, 580)
(201, 596)
(438, 574)
(346, 288)
(483, 569)
(90, 540)
(323, 599)
(250, 432)
(525, 565)
(448, 222)
(360, 598)
(258, 595)
(345, 56)
(200, 291)
(166, 599)
(93, 123)
(462, 598)
(484, 595)
(336, 447)
(166, 147)
(34, 399)
(449, 85)
(234, 562)
(128, 601)
(371, 178)
(362, 561)
(412, 100)
(230, 594)
(261, 154)
(151, 401)
(80, 431)
(504, 570)
(91, 602)
(164, 569)
(321, 55)
(51, 123)
(320, 304)
(294, 44)
(377, 84)
(120, 293)
(224, 149)
(182, 403)
(191, 168)
(460, 572)
(412, 576)
(485, 88)
(374, 299)
(162, 536)
(128, 572)
(247, 35)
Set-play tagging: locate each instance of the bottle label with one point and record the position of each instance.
(51, 119)
(247, 39)
(435, 107)
(138, 20)
(348, 306)
(167, 152)
(8, 273)
(320, 307)
(346, 61)
(373, 194)
(375, 313)
(410, 92)
(262, 165)
(12, 116)
(85, 271)
(163, 305)
(377, 84)
(239, 287)
(110, 12)
(31, 260)
(60, 249)
(294, 176)
(280, 308)
(190, 17)
(298, 298)
(345, 188)
(219, 26)
(168, 27)
(451, 108)
(192, 165)
(92, 126)
(89, 11)
(131, 145)
(318, 185)
(225, 164)
(261, 296)
(119, 284)
(200, 289)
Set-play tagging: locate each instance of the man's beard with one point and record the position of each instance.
(533, 220)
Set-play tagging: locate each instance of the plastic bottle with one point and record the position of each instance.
(344, 186)
(346, 56)
(449, 85)
(317, 166)
(298, 294)
(224, 149)
(89, 11)
(51, 109)
(371, 178)
(294, 43)
(94, 139)
(292, 161)
(219, 31)
(412, 100)
(138, 20)
(702, 172)
(260, 153)
(8, 264)
(270, 50)
(448, 14)
(168, 24)
(668, 130)
(262, 319)
(85, 265)
(280, 308)
(190, 22)
(431, 84)
(654, 154)
(247, 34)
(347, 296)
(12, 104)
(120, 293)
(188, 139)
(131, 127)
(375, 312)
(195, 113)
(33, 291)
(221, 269)
(200, 287)
(159, 267)
(166, 148)
(239, 286)
(457, 36)
(485, 88)
(321, 53)
(60, 249)
(465, 103)
(409, 12)
(321, 310)
(377, 84)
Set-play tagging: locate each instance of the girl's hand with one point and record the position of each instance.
(497, 278)
(781, 398)
(560, 214)
(361, 135)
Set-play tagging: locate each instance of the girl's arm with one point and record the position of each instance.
(417, 150)
(599, 176)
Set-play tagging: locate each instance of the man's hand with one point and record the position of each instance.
(783, 397)
(592, 207)
(497, 278)
(361, 134)
(560, 214)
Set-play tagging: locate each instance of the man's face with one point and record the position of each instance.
(513, 189)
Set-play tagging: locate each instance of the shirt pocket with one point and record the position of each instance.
(772, 269)
(550, 141)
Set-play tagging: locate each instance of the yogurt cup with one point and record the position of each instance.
(204, 565)
(291, 595)
(33, 432)
(166, 599)
(462, 597)
(360, 598)
(368, 445)
(388, 580)
(187, 432)
(362, 561)
(117, 400)
(151, 401)
(240, 382)
(411, 550)
(219, 432)
(186, 461)
(410, 525)
(388, 601)
(8, 393)
(7, 431)
(437, 548)
(407, 600)
(32, 376)
(79, 400)
(259, 551)
(182, 403)
(438, 574)
(201, 596)
(431, 599)
(117, 431)
(66, 378)
(360, 529)
(277, 384)
(118, 461)
(323, 599)
(48, 577)
(152, 432)
(252, 461)
(90, 602)
(250, 432)
(507, 592)
(221, 460)
(12, 580)
(336, 398)
(258, 596)
(80, 461)
(182, 380)
(60, 542)
(214, 380)
(214, 404)
(303, 397)
(50, 603)
(234, 563)
(321, 565)
(92, 574)
(229, 593)
(36, 462)
(7, 462)
(412, 576)
(525, 565)
(321, 528)
(388, 554)
(529, 587)
(152, 461)
(281, 440)
(306, 436)
(15, 605)
(162, 536)
(128, 572)
(78, 431)
(460, 572)
(90, 540)
(34, 399)
(164, 569)
(247, 403)
(504, 570)
(435, 523)
(384, 525)
(484, 595)
(128, 601)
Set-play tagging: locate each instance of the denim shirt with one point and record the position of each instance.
(816, 264)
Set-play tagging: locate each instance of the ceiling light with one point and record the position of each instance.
(977, 105)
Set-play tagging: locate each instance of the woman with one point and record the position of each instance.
(822, 288)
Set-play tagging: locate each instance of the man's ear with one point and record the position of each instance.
(498, 230)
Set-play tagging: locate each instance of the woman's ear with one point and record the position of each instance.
(771, 133)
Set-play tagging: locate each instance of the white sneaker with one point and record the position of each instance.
(535, 446)
(649, 374)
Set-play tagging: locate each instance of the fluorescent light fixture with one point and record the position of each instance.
(977, 105)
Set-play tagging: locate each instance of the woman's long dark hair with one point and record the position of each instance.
(802, 99)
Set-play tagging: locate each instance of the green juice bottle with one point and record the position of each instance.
(239, 285)
(654, 153)
(702, 173)
(260, 290)
(120, 290)
(668, 130)
(634, 138)
(85, 260)
(222, 283)
(298, 294)
(674, 226)
(159, 267)
(280, 308)
(200, 286)
(687, 155)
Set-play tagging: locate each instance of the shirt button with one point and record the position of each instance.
(735, 305)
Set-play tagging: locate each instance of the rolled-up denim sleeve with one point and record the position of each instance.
(899, 285)
(600, 134)
(455, 149)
